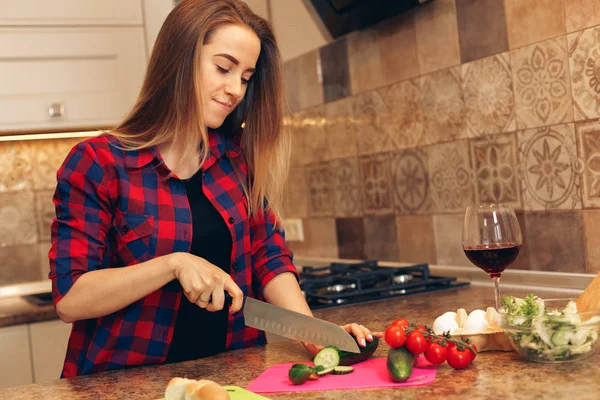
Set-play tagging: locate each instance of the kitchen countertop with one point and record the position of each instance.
(492, 375)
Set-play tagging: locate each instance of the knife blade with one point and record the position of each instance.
(293, 325)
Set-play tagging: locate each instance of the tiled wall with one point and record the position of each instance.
(399, 127)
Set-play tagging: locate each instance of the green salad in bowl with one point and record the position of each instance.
(549, 330)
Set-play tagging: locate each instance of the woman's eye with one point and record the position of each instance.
(245, 81)
(222, 70)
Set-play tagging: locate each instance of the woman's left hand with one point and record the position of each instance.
(360, 332)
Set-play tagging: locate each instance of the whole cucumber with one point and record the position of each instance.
(400, 364)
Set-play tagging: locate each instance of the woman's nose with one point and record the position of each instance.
(234, 88)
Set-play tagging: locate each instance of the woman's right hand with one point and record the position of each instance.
(205, 284)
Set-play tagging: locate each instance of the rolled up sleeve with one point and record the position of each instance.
(83, 218)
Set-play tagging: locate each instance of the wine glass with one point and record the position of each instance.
(491, 239)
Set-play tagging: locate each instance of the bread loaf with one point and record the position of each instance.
(190, 389)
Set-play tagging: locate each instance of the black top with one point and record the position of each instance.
(200, 333)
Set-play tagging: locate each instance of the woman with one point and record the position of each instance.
(184, 198)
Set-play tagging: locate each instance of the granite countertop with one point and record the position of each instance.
(492, 375)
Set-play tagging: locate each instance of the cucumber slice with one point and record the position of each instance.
(341, 370)
(325, 371)
(561, 338)
(328, 357)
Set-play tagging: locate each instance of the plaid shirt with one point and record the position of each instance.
(116, 208)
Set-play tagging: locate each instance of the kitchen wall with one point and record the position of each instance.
(399, 127)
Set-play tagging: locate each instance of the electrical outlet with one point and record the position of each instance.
(294, 232)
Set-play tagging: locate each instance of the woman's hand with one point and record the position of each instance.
(205, 284)
(360, 332)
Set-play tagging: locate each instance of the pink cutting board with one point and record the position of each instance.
(367, 374)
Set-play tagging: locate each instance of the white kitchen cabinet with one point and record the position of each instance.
(48, 347)
(68, 77)
(15, 367)
(155, 13)
(70, 12)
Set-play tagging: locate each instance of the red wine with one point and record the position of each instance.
(493, 258)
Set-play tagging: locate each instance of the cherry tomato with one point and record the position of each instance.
(459, 359)
(416, 343)
(436, 353)
(473, 355)
(422, 328)
(395, 336)
(401, 322)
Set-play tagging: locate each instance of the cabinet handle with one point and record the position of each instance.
(56, 110)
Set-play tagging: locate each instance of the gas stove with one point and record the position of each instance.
(351, 283)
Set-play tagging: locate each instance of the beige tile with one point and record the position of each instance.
(351, 237)
(381, 242)
(48, 156)
(44, 261)
(405, 100)
(496, 171)
(291, 86)
(416, 241)
(591, 224)
(397, 38)
(588, 139)
(295, 199)
(293, 122)
(364, 61)
(372, 115)
(16, 166)
(581, 14)
(443, 106)
(320, 239)
(375, 178)
(488, 94)
(410, 182)
(45, 212)
(437, 36)
(584, 59)
(17, 219)
(542, 84)
(19, 264)
(548, 163)
(340, 129)
(450, 177)
(448, 240)
(319, 178)
(533, 21)
(310, 89)
(347, 187)
(312, 128)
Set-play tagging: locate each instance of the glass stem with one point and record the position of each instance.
(496, 280)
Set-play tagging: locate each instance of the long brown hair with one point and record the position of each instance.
(168, 108)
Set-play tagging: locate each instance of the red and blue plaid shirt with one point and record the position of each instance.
(116, 208)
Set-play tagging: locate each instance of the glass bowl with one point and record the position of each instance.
(553, 337)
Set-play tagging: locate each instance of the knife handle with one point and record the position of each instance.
(228, 300)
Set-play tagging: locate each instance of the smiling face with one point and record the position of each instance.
(227, 63)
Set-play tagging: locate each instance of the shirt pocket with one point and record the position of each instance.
(133, 234)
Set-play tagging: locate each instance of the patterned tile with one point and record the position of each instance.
(347, 187)
(293, 122)
(351, 237)
(588, 139)
(295, 199)
(488, 93)
(397, 38)
(437, 36)
(375, 174)
(19, 264)
(320, 239)
(44, 262)
(335, 70)
(416, 241)
(319, 179)
(549, 168)
(533, 21)
(341, 129)
(450, 177)
(17, 219)
(410, 182)
(584, 60)
(591, 225)
(405, 99)
(381, 242)
(447, 231)
(496, 170)
(291, 86)
(541, 83)
(310, 89)
(45, 212)
(364, 60)
(558, 239)
(48, 156)
(373, 132)
(481, 28)
(581, 14)
(312, 128)
(443, 106)
(16, 166)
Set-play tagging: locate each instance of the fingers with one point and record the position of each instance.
(237, 296)
(360, 332)
(206, 293)
(312, 348)
(218, 295)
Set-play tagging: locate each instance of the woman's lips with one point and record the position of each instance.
(225, 106)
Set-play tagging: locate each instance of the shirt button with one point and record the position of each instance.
(125, 229)
(234, 266)
(231, 220)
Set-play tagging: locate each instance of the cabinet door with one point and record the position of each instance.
(15, 357)
(48, 346)
(53, 78)
(71, 12)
